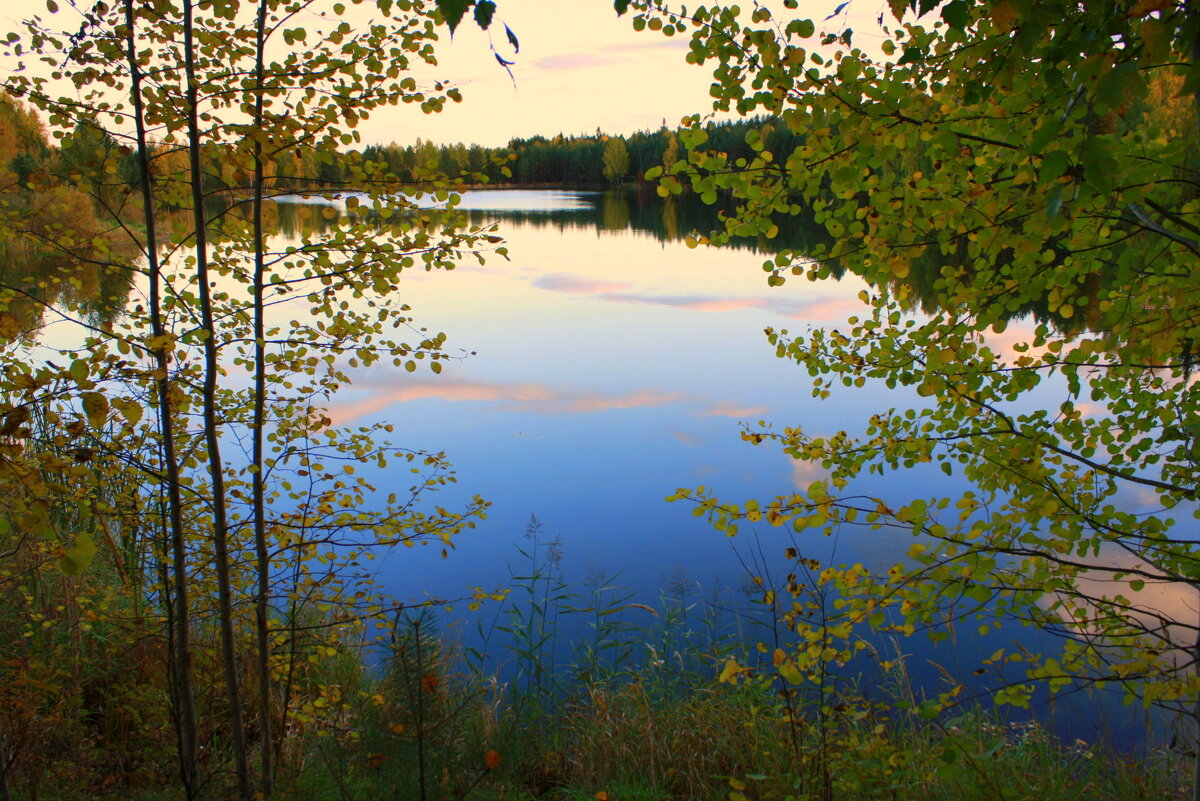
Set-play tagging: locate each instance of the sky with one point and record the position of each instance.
(579, 68)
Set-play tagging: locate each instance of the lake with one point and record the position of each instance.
(611, 365)
(602, 366)
(606, 364)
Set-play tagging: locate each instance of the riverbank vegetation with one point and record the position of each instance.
(187, 607)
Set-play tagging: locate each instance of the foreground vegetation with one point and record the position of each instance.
(186, 601)
(619, 709)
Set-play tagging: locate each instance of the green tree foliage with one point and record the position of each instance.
(140, 451)
(1005, 149)
(616, 160)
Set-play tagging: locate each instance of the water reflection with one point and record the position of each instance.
(604, 365)
(51, 269)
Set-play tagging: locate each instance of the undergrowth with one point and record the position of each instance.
(619, 710)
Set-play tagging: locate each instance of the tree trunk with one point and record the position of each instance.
(258, 465)
(211, 433)
(178, 620)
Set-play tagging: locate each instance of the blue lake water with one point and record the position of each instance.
(610, 365)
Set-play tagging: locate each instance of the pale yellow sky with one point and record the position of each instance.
(580, 67)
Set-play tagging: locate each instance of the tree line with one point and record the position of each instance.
(92, 157)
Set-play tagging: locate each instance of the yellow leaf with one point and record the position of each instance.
(95, 406)
(790, 673)
(130, 410)
(1004, 15)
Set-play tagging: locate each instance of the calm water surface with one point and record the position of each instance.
(611, 366)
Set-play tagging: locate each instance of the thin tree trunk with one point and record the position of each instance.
(5, 764)
(179, 633)
(212, 439)
(258, 464)
(1196, 723)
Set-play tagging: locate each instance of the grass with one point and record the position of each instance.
(624, 743)
(587, 696)
(658, 726)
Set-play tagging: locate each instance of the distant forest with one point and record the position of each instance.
(95, 160)
(598, 159)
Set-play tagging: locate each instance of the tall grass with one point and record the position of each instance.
(627, 707)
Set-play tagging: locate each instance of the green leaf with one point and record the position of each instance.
(79, 372)
(1118, 85)
(1045, 134)
(35, 520)
(79, 557)
(1054, 164)
(512, 39)
(484, 10)
(957, 14)
(129, 409)
(452, 11)
(621, 6)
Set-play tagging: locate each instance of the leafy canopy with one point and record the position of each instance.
(1015, 182)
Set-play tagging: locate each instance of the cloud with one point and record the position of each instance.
(805, 472)
(607, 55)
(817, 309)
(526, 396)
(573, 285)
(1004, 344)
(693, 302)
(571, 61)
(1164, 608)
(523, 397)
(727, 409)
(822, 309)
(1090, 409)
(650, 45)
(685, 438)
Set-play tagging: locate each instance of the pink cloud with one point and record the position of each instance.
(511, 397)
(572, 61)
(821, 309)
(825, 309)
(715, 304)
(684, 437)
(805, 472)
(1090, 409)
(1003, 344)
(600, 403)
(727, 409)
(1164, 607)
(526, 396)
(692, 302)
(577, 286)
